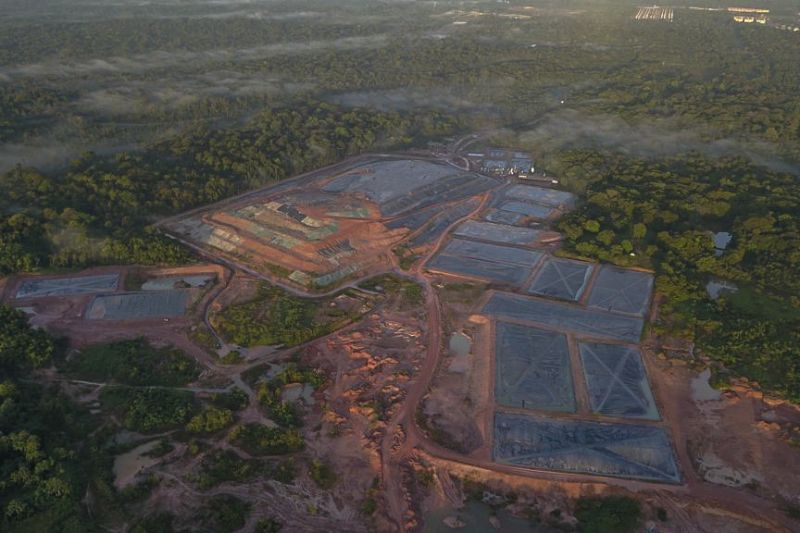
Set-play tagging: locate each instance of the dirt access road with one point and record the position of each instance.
(395, 446)
(403, 435)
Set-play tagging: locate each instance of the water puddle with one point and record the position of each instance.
(702, 391)
(460, 344)
(721, 241)
(715, 288)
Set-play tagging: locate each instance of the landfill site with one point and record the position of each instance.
(318, 232)
(456, 334)
(570, 391)
(567, 388)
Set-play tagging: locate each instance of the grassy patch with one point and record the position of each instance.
(409, 291)
(370, 503)
(258, 439)
(234, 357)
(203, 337)
(462, 292)
(222, 466)
(252, 375)
(134, 362)
(750, 302)
(155, 523)
(269, 394)
(225, 513)
(234, 400)
(134, 279)
(275, 317)
(210, 420)
(406, 256)
(268, 525)
(612, 514)
(322, 474)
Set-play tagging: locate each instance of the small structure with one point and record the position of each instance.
(500, 162)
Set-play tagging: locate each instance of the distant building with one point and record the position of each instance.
(500, 162)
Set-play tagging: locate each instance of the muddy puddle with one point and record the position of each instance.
(460, 344)
(702, 391)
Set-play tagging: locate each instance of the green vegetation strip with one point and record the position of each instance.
(275, 317)
(149, 410)
(134, 362)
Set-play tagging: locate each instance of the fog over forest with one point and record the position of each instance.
(399, 266)
(108, 76)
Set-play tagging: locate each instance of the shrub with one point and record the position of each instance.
(210, 420)
(258, 439)
(612, 514)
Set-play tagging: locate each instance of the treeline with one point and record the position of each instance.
(42, 481)
(737, 81)
(662, 214)
(99, 210)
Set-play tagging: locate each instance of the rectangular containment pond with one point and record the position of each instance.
(39, 288)
(138, 305)
(619, 450)
(540, 195)
(616, 381)
(561, 278)
(527, 208)
(489, 231)
(620, 290)
(177, 282)
(563, 316)
(493, 262)
(502, 217)
(476, 268)
(398, 186)
(532, 369)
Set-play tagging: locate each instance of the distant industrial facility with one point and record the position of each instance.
(498, 162)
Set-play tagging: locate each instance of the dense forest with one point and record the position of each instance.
(44, 468)
(110, 81)
(662, 214)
